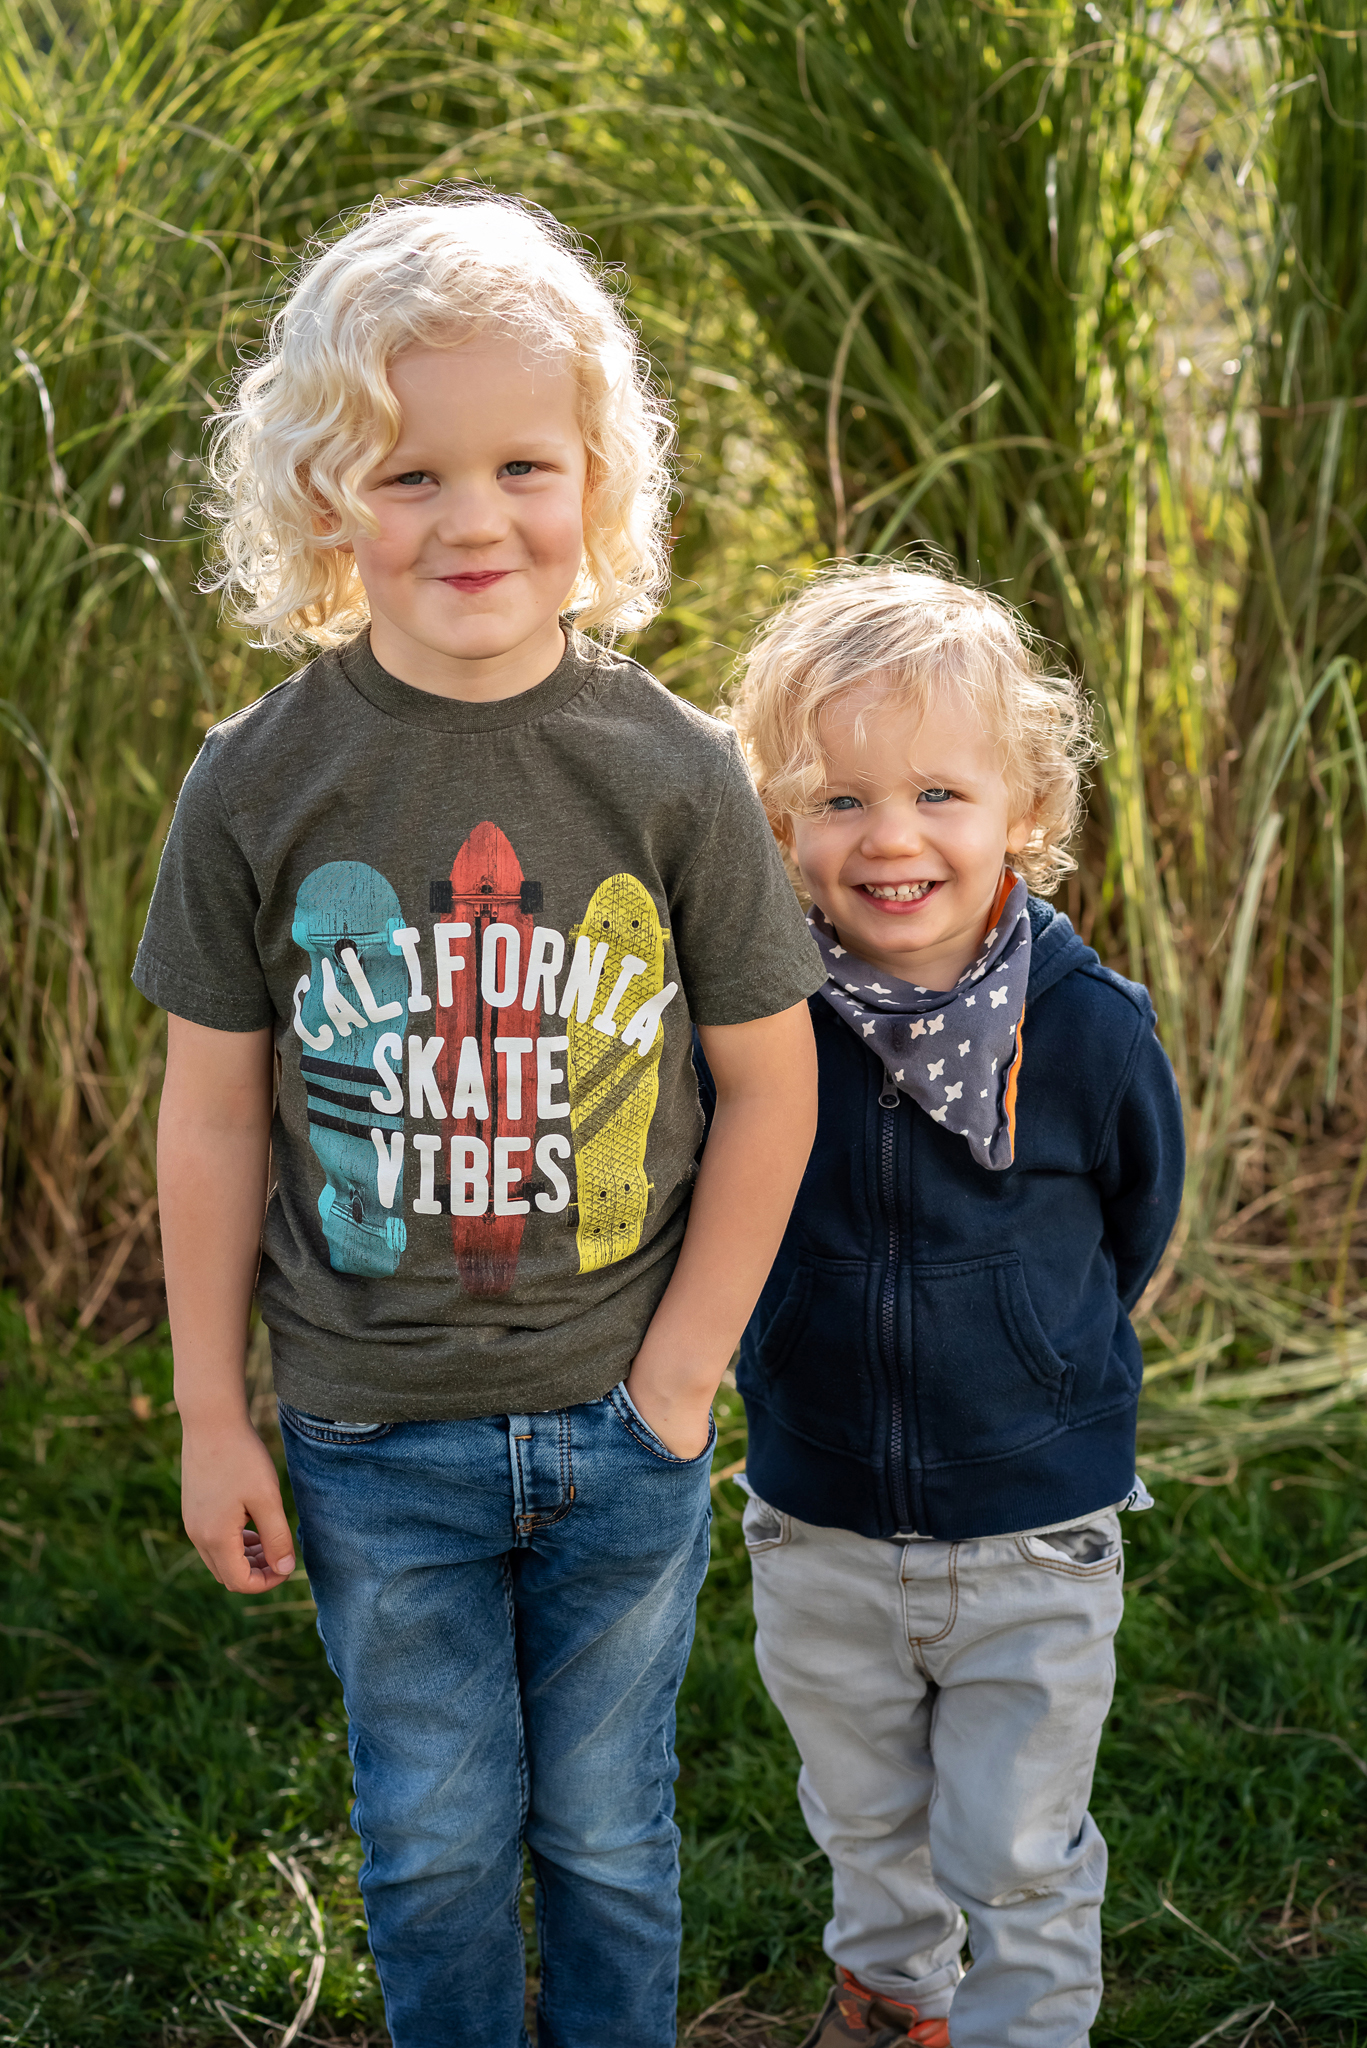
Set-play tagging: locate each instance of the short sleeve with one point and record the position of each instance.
(198, 957)
(740, 937)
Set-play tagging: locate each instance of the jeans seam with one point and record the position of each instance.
(952, 1570)
(509, 1607)
(546, 1521)
(565, 1459)
(1107, 1569)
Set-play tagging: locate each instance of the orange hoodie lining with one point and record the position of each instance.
(1009, 1102)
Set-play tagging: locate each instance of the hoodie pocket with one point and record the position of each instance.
(810, 1364)
(987, 1381)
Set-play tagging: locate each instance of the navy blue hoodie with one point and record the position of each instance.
(945, 1349)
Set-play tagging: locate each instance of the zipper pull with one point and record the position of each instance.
(888, 1096)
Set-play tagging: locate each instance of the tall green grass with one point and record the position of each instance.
(160, 165)
(1071, 295)
(155, 163)
(1076, 295)
(1301, 638)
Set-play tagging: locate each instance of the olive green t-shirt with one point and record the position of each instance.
(481, 935)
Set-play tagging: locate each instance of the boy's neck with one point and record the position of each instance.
(467, 679)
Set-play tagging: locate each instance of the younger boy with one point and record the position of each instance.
(941, 1377)
(460, 889)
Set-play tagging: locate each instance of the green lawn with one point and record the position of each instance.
(159, 1742)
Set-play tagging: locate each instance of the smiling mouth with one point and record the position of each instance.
(897, 892)
(475, 579)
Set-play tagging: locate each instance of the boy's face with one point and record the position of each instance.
(907, 855)
(480, 508)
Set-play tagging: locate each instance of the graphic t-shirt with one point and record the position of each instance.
(481, 934)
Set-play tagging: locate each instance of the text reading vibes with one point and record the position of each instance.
(509, 980)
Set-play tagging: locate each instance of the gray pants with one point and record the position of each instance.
(947, 1701)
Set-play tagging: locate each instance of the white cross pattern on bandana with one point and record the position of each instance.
(888, 1018)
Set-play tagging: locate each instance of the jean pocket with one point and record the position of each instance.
(322, 1429)
(764, 1528)
(1093, 1550)
(635, 1424)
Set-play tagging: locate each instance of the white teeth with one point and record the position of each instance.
(901, 892)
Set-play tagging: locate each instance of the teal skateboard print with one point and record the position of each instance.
(353, 1003)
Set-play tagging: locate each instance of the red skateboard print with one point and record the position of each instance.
(493, 1167)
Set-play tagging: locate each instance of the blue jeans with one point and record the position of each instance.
(508, 1603)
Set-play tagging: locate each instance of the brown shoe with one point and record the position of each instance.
(853, 2017)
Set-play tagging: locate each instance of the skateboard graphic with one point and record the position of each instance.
(486, 890)
(613, 1085)
(353, 996)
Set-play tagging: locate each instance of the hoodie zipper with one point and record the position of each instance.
(896, 1429)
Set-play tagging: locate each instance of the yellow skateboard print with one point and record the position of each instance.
(613, 1088)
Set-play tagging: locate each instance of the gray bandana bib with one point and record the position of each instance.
(957, 1052)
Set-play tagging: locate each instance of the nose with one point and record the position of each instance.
(893, 830)
(472, 515)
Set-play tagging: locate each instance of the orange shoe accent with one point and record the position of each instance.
(862, 2009)
(853, 2002)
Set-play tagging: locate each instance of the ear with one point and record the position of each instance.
(325, 519)
(325, 524)
(1021, 831)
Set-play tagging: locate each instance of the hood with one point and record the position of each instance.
(1055, 950)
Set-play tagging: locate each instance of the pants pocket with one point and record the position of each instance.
(764, 1528)
(635, 1424)
(322, 1429)
(1090, 1551)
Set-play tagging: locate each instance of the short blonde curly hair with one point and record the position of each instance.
(918, 634)
(314, 413)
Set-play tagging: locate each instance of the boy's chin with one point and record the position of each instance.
(897, 951)
(489, 637)
(906, 932)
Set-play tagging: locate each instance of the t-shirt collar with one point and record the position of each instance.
(453, 714)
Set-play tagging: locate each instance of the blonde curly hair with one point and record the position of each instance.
(314, 413)
(917, 634)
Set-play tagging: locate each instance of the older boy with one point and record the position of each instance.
(460, 888)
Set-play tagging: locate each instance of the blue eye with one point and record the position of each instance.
(412, 476)
(936, 796)
(518, 468)
(843, 803)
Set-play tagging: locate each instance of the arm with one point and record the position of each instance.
(213, 1151)
(1141, 1169)
(761, 1134)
